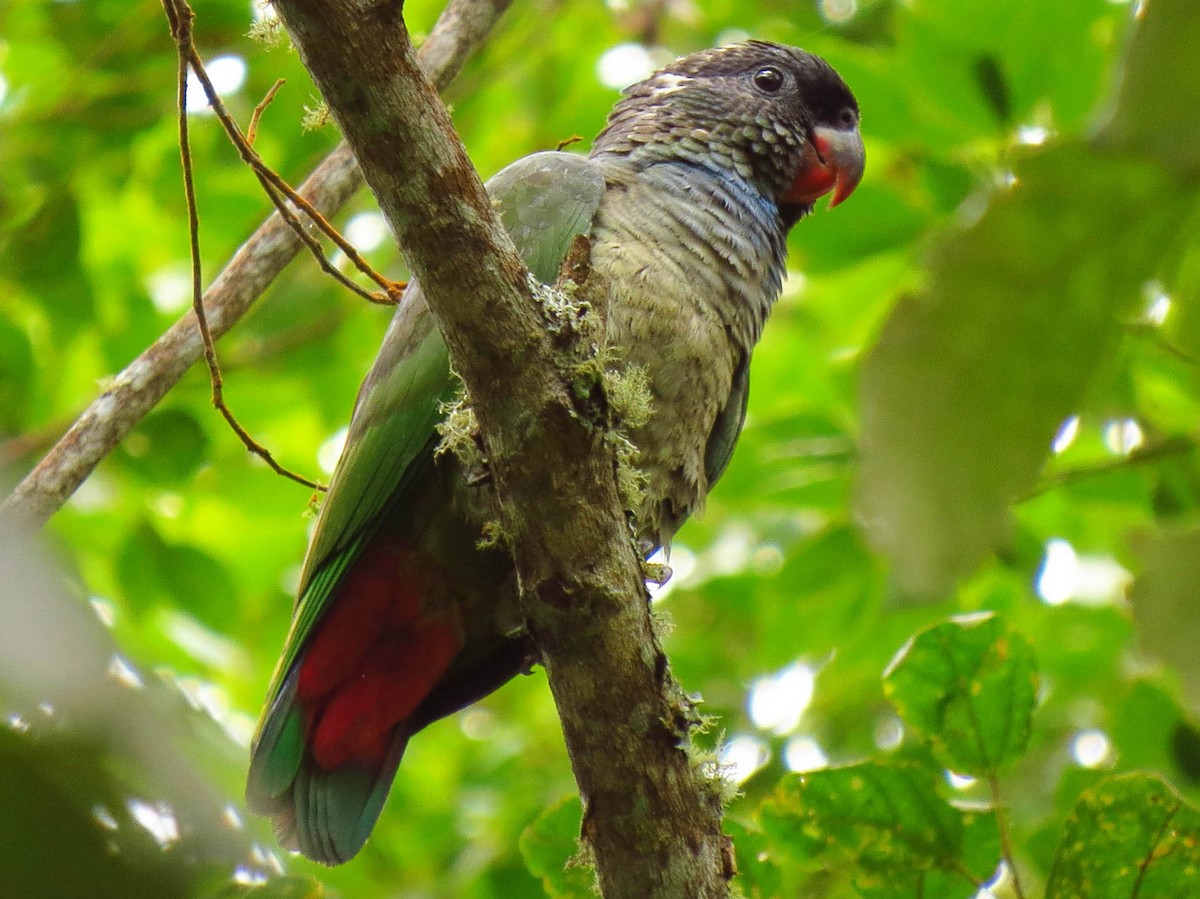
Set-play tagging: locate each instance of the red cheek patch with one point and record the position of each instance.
(814, 179)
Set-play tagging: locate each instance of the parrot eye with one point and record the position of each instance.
(768, 79)
(847, 119)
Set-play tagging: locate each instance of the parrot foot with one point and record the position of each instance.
(656, 573)
(478, 475)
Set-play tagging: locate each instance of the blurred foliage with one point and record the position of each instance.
(1129, 836)
(978, 393)
(967, 687)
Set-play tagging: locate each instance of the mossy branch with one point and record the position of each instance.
(652, 818)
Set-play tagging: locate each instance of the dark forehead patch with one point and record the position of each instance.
(822, 88)
(738, 58)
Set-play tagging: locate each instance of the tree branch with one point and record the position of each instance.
(652, 819)
(1147, 454)
(144, 382)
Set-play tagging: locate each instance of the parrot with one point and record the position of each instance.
(403, 615)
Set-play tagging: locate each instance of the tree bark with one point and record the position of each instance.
(144, 382)
(652, 817)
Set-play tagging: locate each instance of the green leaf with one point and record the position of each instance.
(45, 255)
(290, 887)
(167, 446)
(758, 872)
(1130, 837)
(138, 565)
(968, 686)
(980, 858)
(151, 570)
(969, 381)
(1163, 600)
(293, 887)
(889, 819)
(16, 376)
(550, 848)
(1155, 109)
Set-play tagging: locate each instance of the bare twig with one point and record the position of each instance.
(1004, 827)
(1144, 455)
(181, 17)
(277, 189)
(1155, 335)
(145, 381)
(252, 130)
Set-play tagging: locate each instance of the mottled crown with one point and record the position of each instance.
(747, 108)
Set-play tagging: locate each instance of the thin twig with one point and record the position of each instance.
(1155, 336)
(135, 390)
(959, 867)
(252, 131)
(274, 186)
(181, 17)
(392, 289)
(1151, 452)
(1003, 826)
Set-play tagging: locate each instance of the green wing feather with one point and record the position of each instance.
(544, 201)
(724, 435)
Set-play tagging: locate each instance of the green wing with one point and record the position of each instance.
(724, 435)
(544, 201)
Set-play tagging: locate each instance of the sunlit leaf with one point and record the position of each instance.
(1164, 597)
(888, 819)
(550, 847)
(970, 380)
(1131, 836)
(968, 687)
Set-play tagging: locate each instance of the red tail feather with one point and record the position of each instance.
(376, 654)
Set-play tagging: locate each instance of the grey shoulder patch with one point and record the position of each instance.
(545, 200)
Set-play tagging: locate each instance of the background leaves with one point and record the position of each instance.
(1129, 836)
(968, 687)
(979, 390)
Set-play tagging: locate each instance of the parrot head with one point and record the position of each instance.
(779, 117)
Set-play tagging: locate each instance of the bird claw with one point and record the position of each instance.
(656, 573)
(478, 475)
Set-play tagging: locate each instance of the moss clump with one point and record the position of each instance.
(628, 391)
(562, 307)
(492, 535)
(459, 430)
(266, 30)
(629, 395)
(715, 776)
(631, 480)
(315, 116)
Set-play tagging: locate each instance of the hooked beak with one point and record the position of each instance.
(833, 161)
